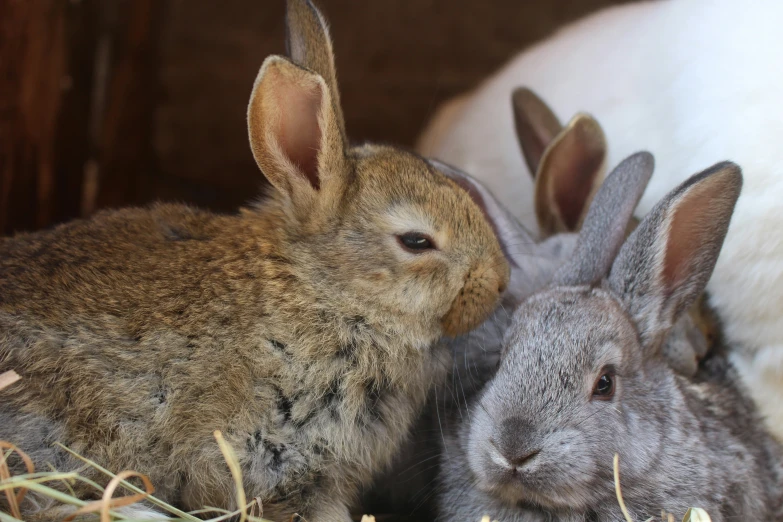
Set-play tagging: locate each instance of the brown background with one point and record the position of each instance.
(148, 96)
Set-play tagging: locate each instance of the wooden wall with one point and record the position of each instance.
(119, 102)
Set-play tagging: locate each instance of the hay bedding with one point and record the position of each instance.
(15, 488)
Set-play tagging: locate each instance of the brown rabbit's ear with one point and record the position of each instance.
(568, 175)
(536, 126)
(310, 46)
(666, 263)
(294, 132)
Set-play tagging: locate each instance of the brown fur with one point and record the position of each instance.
(299, 327)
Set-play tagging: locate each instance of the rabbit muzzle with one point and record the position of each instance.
(478, 297)
(522, 465)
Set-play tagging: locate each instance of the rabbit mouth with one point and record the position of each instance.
(533, 486)
(522, 494)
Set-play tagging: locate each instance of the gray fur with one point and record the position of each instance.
(409, 484)
(682, 441)
(604, 227)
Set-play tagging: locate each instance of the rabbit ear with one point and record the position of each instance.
(667, 261)
(532, 262)
(536, 125)
(512, 235)
(569, 173)
(310, 46)
(294, 133)
(604, 226)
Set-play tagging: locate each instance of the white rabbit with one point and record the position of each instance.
(692, 81)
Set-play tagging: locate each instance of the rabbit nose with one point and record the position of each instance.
(520, 460)
(515, 442)
(515, 460)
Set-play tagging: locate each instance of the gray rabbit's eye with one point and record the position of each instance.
(604, 387)
(415, 242)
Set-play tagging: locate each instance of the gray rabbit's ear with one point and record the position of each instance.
(569, 174)
(603, 230)
(310, 46)
(532, 262)
(566, 162)
(666, 263)
(536, 125)
(512, 235)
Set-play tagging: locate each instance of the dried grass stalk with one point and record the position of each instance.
(5, 474)
(107, 503)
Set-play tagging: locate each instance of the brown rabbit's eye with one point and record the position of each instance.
(415, 242)
(604, 387)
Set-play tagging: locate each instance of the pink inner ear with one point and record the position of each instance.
(299, 133)
(574, 176)
(691, 226)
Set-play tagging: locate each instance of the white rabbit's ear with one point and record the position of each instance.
(666, 263)
(536, 125)
(604, 226)
(570, 171)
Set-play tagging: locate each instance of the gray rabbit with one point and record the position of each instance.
(567, 168)
(582, 378)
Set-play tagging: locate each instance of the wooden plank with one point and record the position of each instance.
(72, 138)
(32, 61)
(123, 138)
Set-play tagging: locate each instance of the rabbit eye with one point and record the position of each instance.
(604, 387)
(415, 242)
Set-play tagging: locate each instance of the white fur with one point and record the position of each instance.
(141, 512)
(692, 81)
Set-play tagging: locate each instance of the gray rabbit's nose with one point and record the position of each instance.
(520, 460)
(516, 442)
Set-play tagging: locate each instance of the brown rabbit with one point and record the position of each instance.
(302, 327)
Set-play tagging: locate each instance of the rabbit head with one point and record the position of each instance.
(373, 225)
(567, 165)
(582, 376)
